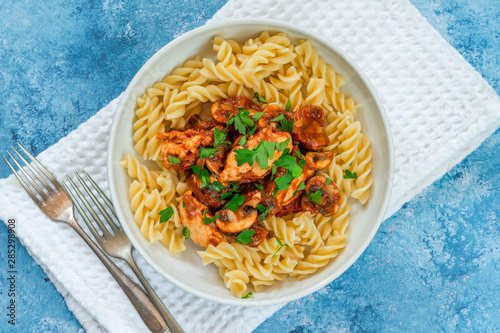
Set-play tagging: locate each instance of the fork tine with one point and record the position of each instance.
(98, 204)
(40, 192)
(36, 173)
(44, 170)
(26, 187)
(101, 193)
(82, 213)
(92, 212)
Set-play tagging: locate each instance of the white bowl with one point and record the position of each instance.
(186, 270)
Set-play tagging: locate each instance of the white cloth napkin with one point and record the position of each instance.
(439, 107)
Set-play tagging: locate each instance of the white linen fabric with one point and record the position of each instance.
(440, 109)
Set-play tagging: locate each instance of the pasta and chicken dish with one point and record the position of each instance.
(245, 164)
(256, 157)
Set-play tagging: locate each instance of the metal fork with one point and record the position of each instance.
(117, 244)
(56, 204)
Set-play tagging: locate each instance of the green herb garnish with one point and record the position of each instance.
(245, 236)
(219, 137)
(207, 220)
(281, 245)
(247, 295)
(328, 181)
(184, 204)
(242, 121)
(288, 105)
(185, 232)
(259, 186)
(284, 181)
(203, 175)
(173, 160)
(259, 98)
(284, 124)
(243, 140)
(315, 197)
(236, 201)
(166, 214)
(216, 186)
(207, 152)
(350, 175)
(289, 163)
(257, 116)
(264, 211)
(302, 186)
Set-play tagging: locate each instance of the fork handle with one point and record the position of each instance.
(144, 306)
(171, 322)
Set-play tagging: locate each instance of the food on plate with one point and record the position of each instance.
(252, 157)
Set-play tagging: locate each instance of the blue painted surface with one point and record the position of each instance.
(433, 265)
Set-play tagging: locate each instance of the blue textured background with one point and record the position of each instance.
(433, 266)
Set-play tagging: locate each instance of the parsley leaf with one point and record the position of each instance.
(252, 131)
(173, 160)
(259, 186)
(259, 98)
(245, 236)
(203, 175)
(166, 214)
(289, 163)
(349, 175)
(284, 181)
(302, 186)
(328, 181)
(274, 169)
(261, 208)
(226, 195)
(257, 116)
(216, 186)
(288, 106)
(278, 118)
(243, 140)
(185, 232)
(282, 145)
(247, 295)
(207, 220)
(264, 211)
(184, 204)
(315, 197)
(242, 121)
(236, 201)
(286, 125)
(269, 147)
(245, 156)
(281, 245)
(219, 137)
(207, 152)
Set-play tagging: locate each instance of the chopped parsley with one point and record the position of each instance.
(245, 236)
(243, 140)
(259, 186)
(219, 137)
(350, 175)
(302, 186)
(185, 232)
(184, 204)
(207, 152)
(247, 295)
(284, 124)
(289, 163)
(207, 220)
(288, 105)
(226, 195)
(216, 186)
(282, 145)
(236, 201)
(173, 160)
(315, 197)
(284, 181)
(264, 211)
(262, 153)
(242, 121)
(166, 214)
(279, 248)
(259, 98)
(328, 181)
(257, 116)
(203, 175)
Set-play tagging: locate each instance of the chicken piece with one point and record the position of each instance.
(205, 195)
(260, 233)
(191, 212)
(309, 127)
(246, 173)
(223, 109)
(184, 145)
(314, 161)
(243, 218)
(330, 196)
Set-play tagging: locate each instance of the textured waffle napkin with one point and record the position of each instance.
(439, 108)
